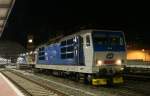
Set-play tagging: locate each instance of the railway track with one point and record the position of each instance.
(76, 89)
(137, 77)
(136, 83)
(30, 87)
(114, 91)
(138, 86)
(130, 88)
(142, 91)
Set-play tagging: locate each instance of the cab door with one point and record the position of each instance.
(88, 49)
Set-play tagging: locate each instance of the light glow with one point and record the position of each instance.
(31, 52)
(143, 50)
(46, 54)
(122, 68)
(118, 62)
(30, 40)
(35, 52)
(99, 63)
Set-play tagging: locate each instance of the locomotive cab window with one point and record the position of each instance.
(116, 40)
(87, 40)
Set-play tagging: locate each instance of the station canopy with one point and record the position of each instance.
(5, 9)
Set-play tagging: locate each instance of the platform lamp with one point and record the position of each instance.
(30, 43)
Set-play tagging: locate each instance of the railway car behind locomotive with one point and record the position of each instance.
(96, 55)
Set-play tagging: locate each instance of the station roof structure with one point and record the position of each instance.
(5, 9)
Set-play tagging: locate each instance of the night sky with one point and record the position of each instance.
(54, 17)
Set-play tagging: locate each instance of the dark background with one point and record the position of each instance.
(47, 19)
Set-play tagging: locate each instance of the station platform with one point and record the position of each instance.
(138, 64)
(7, 88)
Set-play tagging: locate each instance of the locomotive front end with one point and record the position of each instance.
(109, 56)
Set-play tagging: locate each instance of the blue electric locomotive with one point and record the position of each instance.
(98, 55)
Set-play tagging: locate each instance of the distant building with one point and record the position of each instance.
(9, 51)
(133, 54)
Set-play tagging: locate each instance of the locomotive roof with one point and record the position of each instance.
(87, 31)
(61, 38)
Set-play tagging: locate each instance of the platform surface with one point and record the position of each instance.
(7, 88)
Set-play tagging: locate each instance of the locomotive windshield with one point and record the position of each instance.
(103, 40)
(110, 40)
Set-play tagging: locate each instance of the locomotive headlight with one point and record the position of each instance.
(99, 63)
(122, 69)
(118, 62)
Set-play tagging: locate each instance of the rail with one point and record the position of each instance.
(30, 87)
